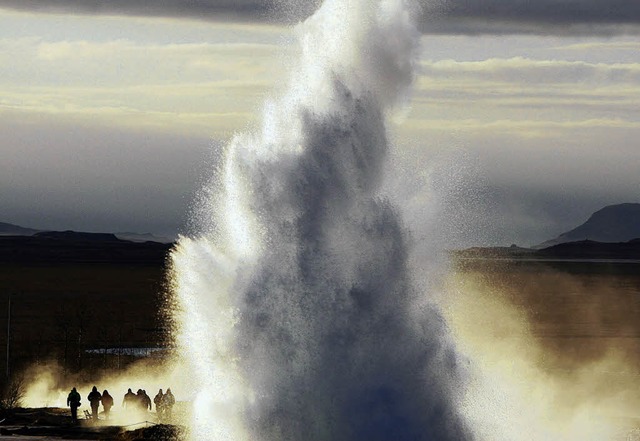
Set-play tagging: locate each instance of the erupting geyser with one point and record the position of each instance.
(297, 314)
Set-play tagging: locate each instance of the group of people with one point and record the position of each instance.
(164, 404)
(95, 398)
(139, 401)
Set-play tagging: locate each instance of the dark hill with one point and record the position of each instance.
(143, 237)
(15, 230)
(613, 224)
(7, 229)
(582, 250)
(77, 236)
(69, 247)
(588, 249)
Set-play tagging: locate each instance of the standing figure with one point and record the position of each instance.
(167, 403)
(146, 400)
(107, 403)
(73, 401)
(129, 399)
(94, 400)
(158, 402)
(141, 403)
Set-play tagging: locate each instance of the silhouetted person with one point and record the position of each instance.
(94, 400)
(167, 403)
(73, 401)
(107, 403)
(158, 402)
(129, 400)
(146, 401)
(140, 401)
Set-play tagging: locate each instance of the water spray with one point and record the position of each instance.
(297, 313)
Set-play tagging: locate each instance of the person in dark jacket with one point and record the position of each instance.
(94, 400)
(107, 403)
(146, 401)
(167, 402)
(158, 402)
(129, 400)
(73, 401)
(141, 403)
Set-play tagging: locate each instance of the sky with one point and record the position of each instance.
(523, 119)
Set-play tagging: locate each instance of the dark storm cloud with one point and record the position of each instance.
(542, 16)
(454, 16)
(245, 10)
(549, 11)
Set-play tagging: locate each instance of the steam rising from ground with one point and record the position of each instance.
(538, 377)
(297, 311)
(48, 386)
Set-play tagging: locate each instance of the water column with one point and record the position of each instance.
(295, 309)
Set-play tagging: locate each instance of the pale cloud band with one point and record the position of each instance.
(132, 84)
(446, 17)
(219, 86)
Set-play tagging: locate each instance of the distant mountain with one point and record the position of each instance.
(76, 236)
(7, 229)
(15, 230)
(610, 233)
(612, 224)
(143, 237)
(581, 250)
(512, 252)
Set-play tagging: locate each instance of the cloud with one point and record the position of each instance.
(632, 46)
(448, 17)
(542, 16)
(531, 98)
(250, 9)
(209, 89)
(551, 140)
(519, 69)
(124, 62)
(537, 125)
(526, 128)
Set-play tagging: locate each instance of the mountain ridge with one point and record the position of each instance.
(612, 224)
(8, 229)
(578, 250)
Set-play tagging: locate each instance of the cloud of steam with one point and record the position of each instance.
(545, 363)
(297, 311)
(47, 385)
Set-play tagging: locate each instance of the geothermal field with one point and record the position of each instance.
(300, 307)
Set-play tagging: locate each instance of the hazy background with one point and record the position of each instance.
(524, 118)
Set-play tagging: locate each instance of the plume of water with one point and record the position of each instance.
(295, 309)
